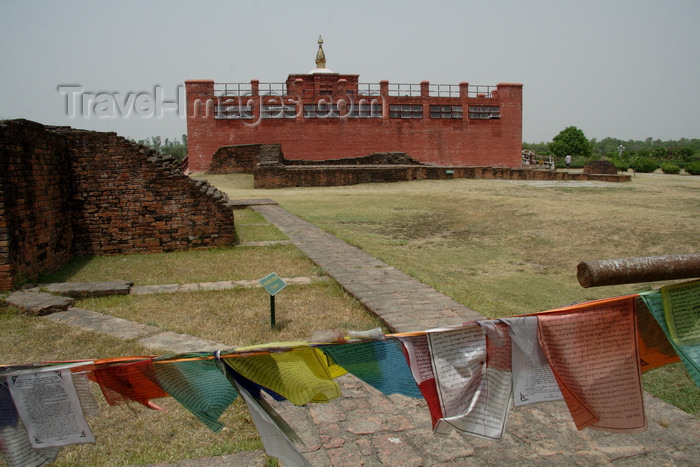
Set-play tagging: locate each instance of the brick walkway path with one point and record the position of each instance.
(367, 428)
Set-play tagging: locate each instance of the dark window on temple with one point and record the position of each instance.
(278, 111)
(321, 110)
(365, 110)
(242, 112)
(405, 111)
(484, 112)
(445, 111)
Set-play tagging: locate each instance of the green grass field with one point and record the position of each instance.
(507, 248)
(501, 248)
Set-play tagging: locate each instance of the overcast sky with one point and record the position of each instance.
(628, 69)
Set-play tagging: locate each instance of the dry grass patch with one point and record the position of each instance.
(135, 435)
(29, 339)
(130, 434)
(501, 248)
(251, 226)
(241, 317)
(218, 264)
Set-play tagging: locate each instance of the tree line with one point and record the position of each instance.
(175, 147)
(671, 156)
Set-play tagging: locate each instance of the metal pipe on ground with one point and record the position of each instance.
(633, 270)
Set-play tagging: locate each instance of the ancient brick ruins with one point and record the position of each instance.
(243, 158)
(66, 192)
(271, 169)
(600, 167)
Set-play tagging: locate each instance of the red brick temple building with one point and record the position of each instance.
(323, 115)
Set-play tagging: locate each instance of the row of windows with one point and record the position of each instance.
(279, 111)
(361, 110)
(484, 112)
(237, 112)
(242, 112)
(373, 110)
(405, 111)
(445, 111)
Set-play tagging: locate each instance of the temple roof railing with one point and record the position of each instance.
(424, 89)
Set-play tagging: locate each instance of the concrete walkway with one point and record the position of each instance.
(367, 428)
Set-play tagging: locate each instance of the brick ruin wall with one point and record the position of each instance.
(271, 169)
(36, 232)
(600, 168)
(243, 158)
(309, 176)
(377, 158)
(72, 192)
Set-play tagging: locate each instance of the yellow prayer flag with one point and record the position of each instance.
(301, 375)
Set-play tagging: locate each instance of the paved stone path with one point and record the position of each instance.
(402, 302)
(367, 428)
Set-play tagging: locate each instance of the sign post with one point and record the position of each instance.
(273, 284)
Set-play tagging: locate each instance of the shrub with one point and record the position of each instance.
(644, 165)
(578, 162)
(622, 166)
(659, 153)
(679, 163)
(670, 168)
(693, 168)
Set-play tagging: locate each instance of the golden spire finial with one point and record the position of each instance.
(320, 56)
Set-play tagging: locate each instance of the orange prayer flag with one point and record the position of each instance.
(131, 381)
(592, 350)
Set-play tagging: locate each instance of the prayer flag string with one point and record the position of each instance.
(591, 355)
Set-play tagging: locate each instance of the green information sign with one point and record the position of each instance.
(273, 283)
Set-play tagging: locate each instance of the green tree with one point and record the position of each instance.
(606, 145)
(659, 153)
(572, 141)
(167, 146)
(155, 142)
(682, 153)
(539, 148)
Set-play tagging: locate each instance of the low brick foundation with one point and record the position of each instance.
(278, 176)
(271, 169)
(67, 192)
(600, 168)
(377, 158)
